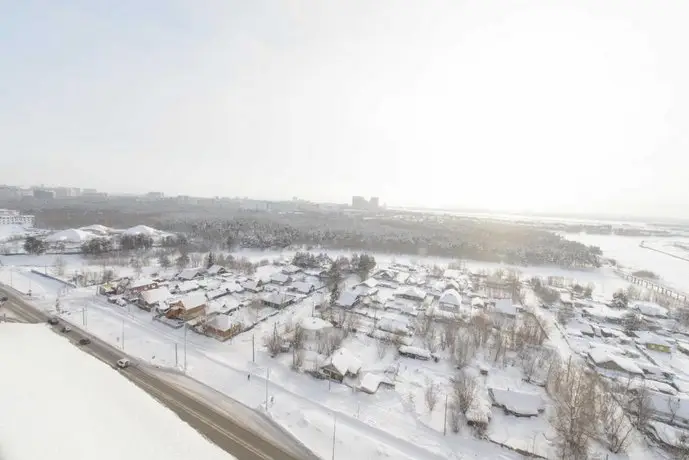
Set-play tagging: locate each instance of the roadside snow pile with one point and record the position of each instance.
(56, 399)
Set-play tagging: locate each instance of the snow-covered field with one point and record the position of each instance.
(628, 252)
(58, 402)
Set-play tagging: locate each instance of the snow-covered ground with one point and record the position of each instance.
(392, 423)
(58, 402)
(627, 251)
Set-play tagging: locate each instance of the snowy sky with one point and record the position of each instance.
(538, 105)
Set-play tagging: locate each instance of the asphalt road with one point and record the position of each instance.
(213, 424)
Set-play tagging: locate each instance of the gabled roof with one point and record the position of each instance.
(277, 298)
(141, 282)
(347, 298)
(345, 362)
(517, 402)
(221, 322)
(279, 277)
(215, 269)
(451, 297)
(192, 300)
(291, 269)
(650, 309)
(302, 287)
(369, 282)
(187, 286)
(411, 292)
(251, 285)
(153, 296)
(505, 307)
(189, 273)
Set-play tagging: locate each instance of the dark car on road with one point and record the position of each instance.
(66, 329)
(3, 299)
(84, 341)
(53, 321)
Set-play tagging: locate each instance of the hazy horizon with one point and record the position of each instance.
(577, 107)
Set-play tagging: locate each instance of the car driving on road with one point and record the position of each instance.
(84, 341)
(66, 329)
(123, 363)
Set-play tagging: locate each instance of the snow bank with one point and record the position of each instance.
(57, 399)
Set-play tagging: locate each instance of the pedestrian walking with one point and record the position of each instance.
(248, 377)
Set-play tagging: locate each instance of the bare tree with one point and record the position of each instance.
(273, 342)
(448, 337)
(575, 416)
(615, 424)
(463, 352)
(195, 259)
(431, 394)
(59, 265)
(532, 361)
(481, 328)
(381, 348)
(464, 389)
(673, 404)
(297, 359)
(137, 266)
(298, 337)
(424, 324)
(431, 340)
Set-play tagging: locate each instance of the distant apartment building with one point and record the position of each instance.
(11, 217)
(359, 202)
(66, 192)
(43, 194)
(155, 195)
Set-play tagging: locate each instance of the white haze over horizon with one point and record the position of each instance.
(565, 106)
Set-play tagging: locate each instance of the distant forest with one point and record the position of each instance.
(215, 227)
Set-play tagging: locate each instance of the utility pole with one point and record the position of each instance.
(334, 432)
(267, 379)
(185, 348)
(445, 418)
(253, 348)
(123, 335)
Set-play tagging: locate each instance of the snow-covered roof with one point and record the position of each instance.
(221, 322)
(651, 338)
(279, 277)
(192, 300)
(600, 356)
(291, 269)
(70, 235)
(251, 285)
(140, 282)
(370, 382)
(187, 286)
(215, 269)
(313, 323)
(650, 309)
(402, 277)
(347, 298)
(345, 362)
(452, 273)
(451, 297)
(477, 302)
(411, 292)
(505, 307)
(394, 324)
(302, 287)
(662, 403)
(189, 273)
(370, 282)
(277, 298)
(416, 351)
(153, 296)
(517, 402)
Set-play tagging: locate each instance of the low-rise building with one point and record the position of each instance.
(188, 307)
